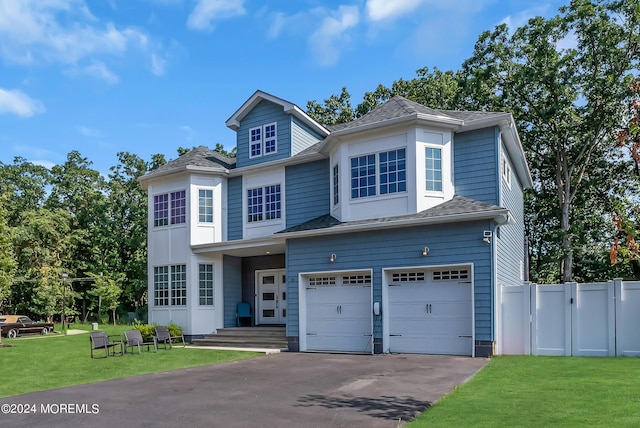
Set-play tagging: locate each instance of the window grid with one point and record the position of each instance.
(393, 174)
(254, 205)
(506, 171)
(270, 145)
(408, 276)
(450, 274)
(178, 207)
(336, 181)
(255, 144)
(160, 210)
(433, 164)
(356, 279)
(318, 281)
(179, 285)
(272, 202)
(205, 205)
(206, 284)
(363, 176)
(161, 286)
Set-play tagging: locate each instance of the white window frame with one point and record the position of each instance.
(335, 176)
(506, 170)
(201, 206)
(261, 216)
(206, 285)
(262, 142)
(441, 150)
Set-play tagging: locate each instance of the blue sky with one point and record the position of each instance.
(148, 76)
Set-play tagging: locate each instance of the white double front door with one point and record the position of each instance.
(271, 299)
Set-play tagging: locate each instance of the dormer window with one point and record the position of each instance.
(263, 140)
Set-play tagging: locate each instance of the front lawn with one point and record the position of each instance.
(36, 363)
(543, 391)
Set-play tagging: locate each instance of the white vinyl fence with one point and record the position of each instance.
(601, 319)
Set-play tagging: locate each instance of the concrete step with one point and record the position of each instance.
(246, 337)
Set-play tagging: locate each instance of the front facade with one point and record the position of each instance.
(390, 233)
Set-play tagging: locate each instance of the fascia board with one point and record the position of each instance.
(500, 216)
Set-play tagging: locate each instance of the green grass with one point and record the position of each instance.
(37, 363)
(543, 391)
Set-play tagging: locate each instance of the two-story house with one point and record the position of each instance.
(391, 233)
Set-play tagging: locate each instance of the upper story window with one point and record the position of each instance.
(161, 210)
(205, 206)
(386, 168)
(263, 140)
(161, 203)
(506, 170)
(433, 169)
(336, 184)
(393, 171)
(264, 203)
(178, 207)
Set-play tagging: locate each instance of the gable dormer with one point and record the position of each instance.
(269, 128)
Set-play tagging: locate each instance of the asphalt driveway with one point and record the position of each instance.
(278, 390)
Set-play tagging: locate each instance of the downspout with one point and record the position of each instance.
(495, 309)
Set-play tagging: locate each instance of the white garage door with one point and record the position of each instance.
(430, 312)
(339, 312)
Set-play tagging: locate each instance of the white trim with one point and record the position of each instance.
(386, 272)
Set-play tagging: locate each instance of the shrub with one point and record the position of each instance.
(146, 330)
(174, 330)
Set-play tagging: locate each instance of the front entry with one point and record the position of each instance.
(271, 301)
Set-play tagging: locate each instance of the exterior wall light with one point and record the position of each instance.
(425, 251)
(333, 258)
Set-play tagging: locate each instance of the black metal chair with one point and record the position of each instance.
(134, 338)
(163, 335)
(99, 340)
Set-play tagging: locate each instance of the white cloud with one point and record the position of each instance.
(99, 70)
(18, 103)
(331, 36)
(277, 24)
(157, 64)
(45, 163)
(380, 10)
(64, 31)
(207, 11)
(89, 132)
(521, 18)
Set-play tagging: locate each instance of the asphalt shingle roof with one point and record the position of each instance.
(201, 157)
(398, 107)
(456, 206)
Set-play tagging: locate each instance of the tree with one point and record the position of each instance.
(567, 100)
(336, 109)
(8, 263)
(108, 288)
(26, 184)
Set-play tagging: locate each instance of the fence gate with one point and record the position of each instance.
(598, 319)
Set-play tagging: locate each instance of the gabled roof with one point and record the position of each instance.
(457, 209)
(234, 121)
(199, 159)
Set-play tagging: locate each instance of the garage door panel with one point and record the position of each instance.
(432, 317)
(339, 316)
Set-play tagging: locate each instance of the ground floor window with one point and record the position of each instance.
(170, 281)
(206, 284)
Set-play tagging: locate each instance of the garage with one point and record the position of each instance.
(338, 312)
(429, 311)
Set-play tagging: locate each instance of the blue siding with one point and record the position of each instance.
(301, 136)
(475, 164)
(234, 206)
(449, 244)
(307, 191)
(264, 113)
(510, 245)
(231, 288)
